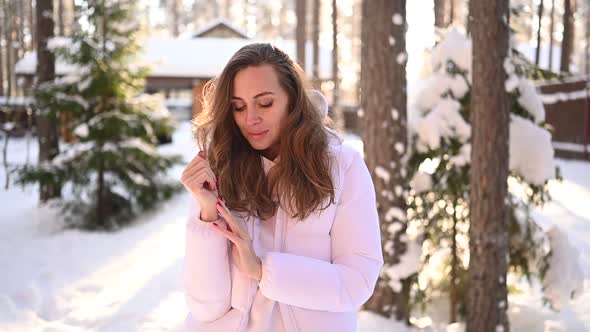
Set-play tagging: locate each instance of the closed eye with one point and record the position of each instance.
(238, 109)
(266, 105)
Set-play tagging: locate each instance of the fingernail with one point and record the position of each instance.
(202, 154)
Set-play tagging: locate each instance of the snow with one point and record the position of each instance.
(16, 100)
(216, 22)
(395, 213)
(81, 130)
(56, 280)
(391, 41)
(530, 100)
(421, 182)
(408, 265)
(564, 96)
(531, 152)
(382, 173)
(564, 280)
(443, 122)
(454, 47)
(57, 42)
(401, 58)
(196, 57)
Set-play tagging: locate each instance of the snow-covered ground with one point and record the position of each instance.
(54, 280)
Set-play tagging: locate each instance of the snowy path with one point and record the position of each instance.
(130, 280)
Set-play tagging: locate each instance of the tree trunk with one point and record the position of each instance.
(488, 244)
(587, 48)
(20, 28)
(383, 101)
(454, 266)
(356, 47)
(46, 123)
(175, 18)
(60, 18)
(8, 28)
(567, 44)
(316, 43)
(2, 18)
(337, 115)
(551, 29)
(451, 11)
(540, 16)
(439, 13)
(300, 34)
(31, 16)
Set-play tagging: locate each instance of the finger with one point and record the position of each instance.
(231, 221)
(196, 162)
(191, 178)
(195, 166)
(209, 179)
(229, 235)
(202, 180)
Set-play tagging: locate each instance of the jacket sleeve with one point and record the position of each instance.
(349, 280)
(206, 272)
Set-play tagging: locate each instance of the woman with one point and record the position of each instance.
(284, 233)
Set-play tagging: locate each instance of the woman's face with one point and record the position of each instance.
(260, 107)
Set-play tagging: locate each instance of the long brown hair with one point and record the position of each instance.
(301, 178)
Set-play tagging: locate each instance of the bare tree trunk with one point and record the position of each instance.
(451, 12)
(439, 13)
(300, 32)
(31, 23)
(46, 123)
(356, 46)
(337, 115)
(2, 19)
(60, 18)
(383, 101)
(8, 28)
(20, 28)
(567, 44)
(175, 18)
(540, 16)
(488, 244)
(587, 48)
(316, 43)
(551, 29)
(454, 268)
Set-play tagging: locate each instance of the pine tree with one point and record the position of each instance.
(384, 134)
(487, 295)
(112, 168)
(439, 168)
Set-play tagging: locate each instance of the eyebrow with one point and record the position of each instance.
(258, 95)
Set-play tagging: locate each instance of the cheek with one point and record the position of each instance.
(238, 119)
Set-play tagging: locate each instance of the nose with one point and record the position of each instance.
(253, 115)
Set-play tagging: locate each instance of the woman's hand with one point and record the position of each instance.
(242, 251)
(199, 180)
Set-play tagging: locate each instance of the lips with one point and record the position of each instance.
(258, 133)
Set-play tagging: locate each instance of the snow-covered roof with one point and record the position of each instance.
(217, 22)
(192, 58)
(16, 100)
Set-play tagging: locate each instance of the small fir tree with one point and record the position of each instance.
(111, 167)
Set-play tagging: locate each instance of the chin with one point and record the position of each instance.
(258, 146)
